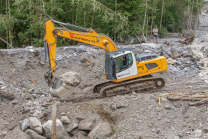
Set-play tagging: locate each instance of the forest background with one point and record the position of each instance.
(22, 21)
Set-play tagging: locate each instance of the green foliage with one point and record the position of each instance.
(27, 18)
(163, 32)
(26, 90)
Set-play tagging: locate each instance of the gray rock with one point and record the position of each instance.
(31, 91)
(25, 124)
(72, 78)
(200, 68)
(87, 90)
(2, 133)
(84, 57)
(176, 137)
(178, 62)
(34, 135)
(35, 52)
(189, 53)
(79, 136)
(15, 102)
(198, 133)
(181, 67)
(73, 132)
(192, 66)
(35, 125)
(205, 129)
(83, 133)
(197, 65)
(188, 63)
(201, 63)
(80, 117)
(113, 106)
(185, 69)
(168, 53)
(65, 120)
(167, 106)
(60, 131)
(73, 124)
(102, 130)
(121, 105)
(87, 124)
(206, 52)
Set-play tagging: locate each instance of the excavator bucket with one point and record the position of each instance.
(61, 89)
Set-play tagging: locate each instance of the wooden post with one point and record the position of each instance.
(54, 120)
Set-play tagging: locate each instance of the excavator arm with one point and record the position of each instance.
(88, 36)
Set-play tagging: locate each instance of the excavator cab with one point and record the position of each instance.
(120, 64)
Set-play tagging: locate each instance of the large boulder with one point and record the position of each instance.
(188, 53)
(60, 131)
(73, 124)
(33, 135)
(35, 125)
(101, 130)
(72, 78)
(89, 122)
(25, 124)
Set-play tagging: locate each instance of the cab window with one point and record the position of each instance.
(123, 62)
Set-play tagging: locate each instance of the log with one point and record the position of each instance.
(177, 56)
(199, 102)
(174, 98)
(188, 40)
(191, 99)
(54, 109)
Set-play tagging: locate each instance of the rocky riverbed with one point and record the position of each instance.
(26, 104)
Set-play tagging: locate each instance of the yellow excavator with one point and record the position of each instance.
(125, 71)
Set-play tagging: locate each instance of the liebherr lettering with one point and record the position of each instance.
(82, 39)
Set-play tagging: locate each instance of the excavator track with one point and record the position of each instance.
(107, 89)
(137, 85)
(98, 87)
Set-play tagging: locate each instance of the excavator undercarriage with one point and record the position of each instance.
(138, 85)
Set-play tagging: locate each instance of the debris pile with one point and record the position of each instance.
(93, 126)
(201, 97)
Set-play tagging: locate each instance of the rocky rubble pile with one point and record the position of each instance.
(93, 126)
(182, 60)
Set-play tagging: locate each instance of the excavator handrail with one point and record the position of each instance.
(71, 26)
